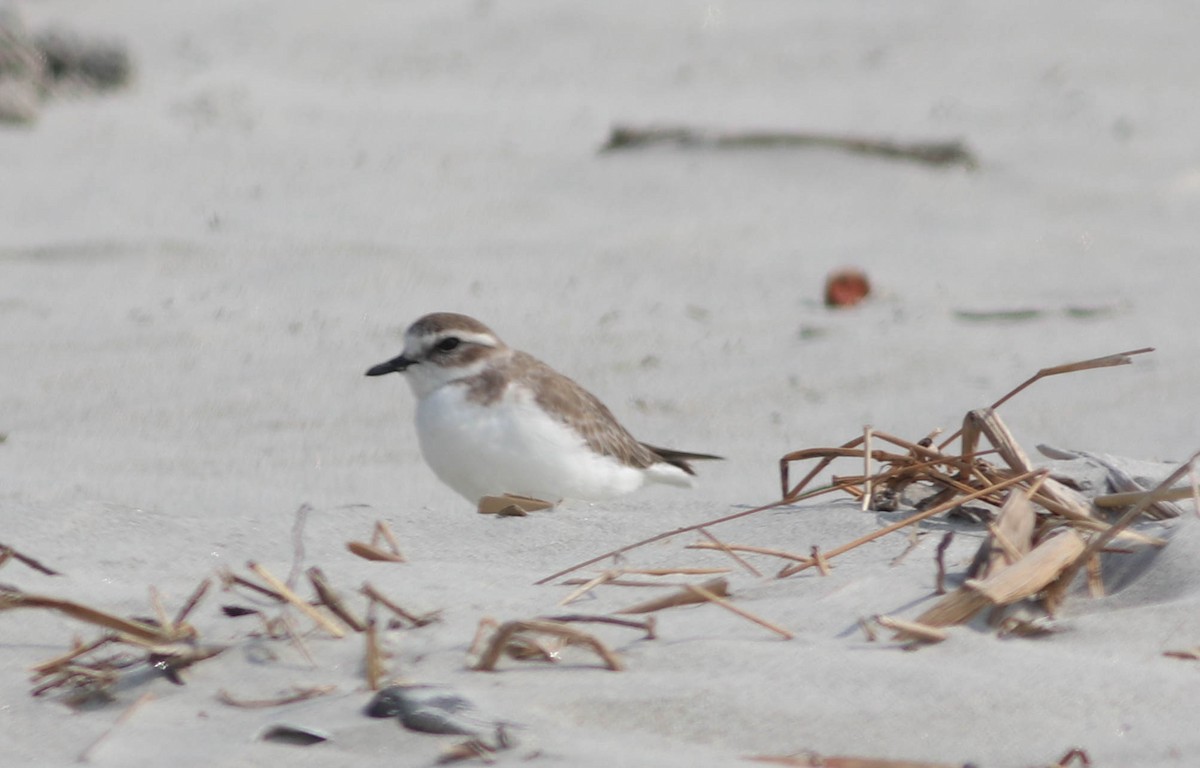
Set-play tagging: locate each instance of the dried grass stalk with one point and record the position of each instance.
(912, 630)
(331, 600)
(733, 555)
(685, 596)
(294, 599)
(136, 631)
(7, 552)
(912, 520)
(382, 547)
(717, 600)
(298, 694)
(417, 621)
(505, 633)
(753, 550)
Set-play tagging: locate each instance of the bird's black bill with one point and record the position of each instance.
(395, 365)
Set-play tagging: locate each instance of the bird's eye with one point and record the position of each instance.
(446, 345)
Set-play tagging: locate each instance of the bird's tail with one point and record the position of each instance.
(681, 458)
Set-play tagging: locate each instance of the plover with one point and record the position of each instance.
(493, 420)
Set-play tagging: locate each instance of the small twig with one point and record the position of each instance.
(191, 603)
(417, 621)
(147, 633)
(374, 657)
(588, 586)
(733, 555)
(684, 529)
(330, 599)
(936, 510)
(684, 596)
(6, 552)
(648, 626)
(295, 600)
(912, 629)
(752, 549)
(298, 694)
(229, 579)
(819, 560)
(727, 605)
(940, 557)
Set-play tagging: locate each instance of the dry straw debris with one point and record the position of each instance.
(1044, 532)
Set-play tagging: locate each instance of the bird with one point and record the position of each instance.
(492, 421)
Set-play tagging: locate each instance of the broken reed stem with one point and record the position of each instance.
(753, 550)
(819, 560)
(940, 557)
(374, 658)
(912, 629)
(1102, 540)
(229, 579)
(735, 556)
(294, 599)
(141, 631)
(1125, 498)
(684, 529)
(936, 510)
(648, 626)
(900, 464)
(1107, 361)
(6, 552)
(717, 600)
(588, 586)
(374, 594)
(684, 596)
(384, 531)
(330, 599)
(191, 603)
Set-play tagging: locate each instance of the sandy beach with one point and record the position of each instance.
(196, 271)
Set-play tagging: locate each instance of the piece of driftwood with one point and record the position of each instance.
(936, 153)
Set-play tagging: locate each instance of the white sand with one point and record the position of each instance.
(196, 272)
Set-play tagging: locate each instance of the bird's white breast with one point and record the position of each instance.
(511, 445)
